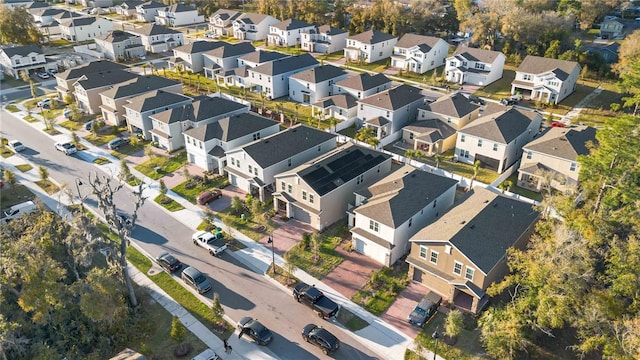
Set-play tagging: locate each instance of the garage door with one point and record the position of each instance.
(417, 275)
(300, 215)
(234, 180)
(359, 245)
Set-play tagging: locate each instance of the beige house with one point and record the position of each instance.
(88, 87)
(319, 191)
(463, 252)
(553, 159)
(66, 79)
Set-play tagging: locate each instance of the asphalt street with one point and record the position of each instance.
(242, 291)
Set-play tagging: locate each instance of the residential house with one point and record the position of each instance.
(419, 53)
(313, 84)
(607, 50)
(147, 11)
(474, 66)
(369, 46)
(342, 107)
(319, 191)
(252, 26)
(116, 97)
(272, 77)
(49, 21)
(87, 88)
(496, 140)
(391, 110)
(127, 8)
(324, 39)
(611, 28)
(168, 126)
(239, 76)
(234, 77)
(207, 145)
(27, 58)
(387, 213)
(37, 6)
(44, 16)
(253, 167)
(158, 38)
(191, 56)
(434, 131)
(178, 15)
(259, 57)
(66, 79)
(544, 79)
(84, 28)
(552, 159)
(464, 251)
(12, 4)
(119, 45)
(362, 85)
(138, 109)
(287, 33)
(221, 22)
(97, 3)
(224, 57)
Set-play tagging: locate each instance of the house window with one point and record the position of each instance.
(361, 107)
(572, 167)
(479, 66)
(464, 154)
(373, 225)
(529, 155)
(304, 195)
(434, 257)
(469, 273)
(256, 136)
(282, 186)
(527, 77)
(457, 268)
(479, 142)
(360, 179)
(17, 61)
(289, 188)
(255, 171)
(311, 198)
(495, 147)
(423, 252)
(319, 148)
(462, 137)
(250, 169)
(33, 59)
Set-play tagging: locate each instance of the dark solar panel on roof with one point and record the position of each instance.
(315, 175)
(344, 160)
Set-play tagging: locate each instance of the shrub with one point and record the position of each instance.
(178, 331)
(162, 187)
(306, 240)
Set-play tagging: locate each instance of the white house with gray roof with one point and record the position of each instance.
(128, 8)
(362, 85)
(147, 11)
(191, 56)
(178, 15)
(158, 38)
(234, 77)
(84, 28)
(343, 107)
(324, 39)
(224, 57)
(314, 84)
(253, 167)
(221, 22)
(387, 213)
(369, 46)
(259, 57)
(207, 145)
(288, 32)
(272, 78)
(138, 109)
(419, 53)
(319, 191)
(496, 140)
(168, 126)
(27, 58)
(119, 45)
(252, 26)
(546, 80)
(474, 66)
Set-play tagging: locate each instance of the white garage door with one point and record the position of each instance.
(300, 215)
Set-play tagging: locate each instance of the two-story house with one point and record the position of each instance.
(288, 32)
(272, 77)
(391, 110)
(387, 213)
(27, 58)
(544, 79)
(84, 28)
(551, 161)
(224, 57)
(119, 45)
(66, 79)
(496, 140)
(158, 38)
(314, 84)
(239, 76)
(88, 87)
(611, 28)
(319, 191)
(474, 66)
(419, 53)
(608, 51)
(97, 3)
(362, 85)
(464, 251)
(369, 46)
(207, 145)
(253, 167)
(259, 57)
(168, 126)
(147, 11)
(178, 15)
(137, 110)
(324, 39)
(434, 131)
(343, 107)
(191, 56)
(221, 22)
(252, 26)
(113, 99)
(127, 8)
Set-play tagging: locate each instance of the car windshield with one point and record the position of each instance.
(199, 279)
(17, 143)
(67, 145)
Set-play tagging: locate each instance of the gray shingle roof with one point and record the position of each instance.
(80, 21)
(177, 8)
(343, 101)
(286, 144)
(364, 81)
(401, 195)
(327, 30)
(154, 100)
(372, 37)
(141, 84)
(105, 78)
(230, 50)
(199, 46)
(565, 143)
(47, 11)
(291, 24)
(283, 65)
(319, 74)
(538, 65)
(231, 128)
(225, 14)
(92, 67)
(481, 55)
(455, 105)
(67, 15)
(115, 36)
(201, 109)
(411, 40)
(22, 50)
(482, 226)
(252, 18)
(395, 98)
(260, 57)
(501, 127)
(131, 3)
(152, 5)
(153, 29)
(430, 130)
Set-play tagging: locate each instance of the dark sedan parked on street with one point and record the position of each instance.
(320, 337)
(168, 262)
(255, 330)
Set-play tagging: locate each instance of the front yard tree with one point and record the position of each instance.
(453, 324)
(44, 173)
(10, 178)
(316, 243)
(18, 26)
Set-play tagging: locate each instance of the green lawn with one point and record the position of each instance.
(378, 66)
(10, 196)
(167, 165)
(168, 203)
(11, 82)
(59, 43)
(196, 188)
(328, 260)
(500, 88)
(522, 191)
(128, 149)
(48, 186)
(100, 138)
(382, 289)
(12, 108)
(24, 167)
(72, 125)
(30, 118)
(254, 229)
(350, 320)
(333, 56)
(101, 160)
(5, 152)
(291, 50)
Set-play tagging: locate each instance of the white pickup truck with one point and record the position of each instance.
(214, 243)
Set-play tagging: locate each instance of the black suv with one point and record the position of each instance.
(476, 100)
(255, 330)
(168, 262)
(320, 337)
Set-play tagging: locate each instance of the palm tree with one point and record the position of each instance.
(333, 122)
(365, 134)
(409, 154)
(144, 68)
(373, 141)
(164, 71)
(476, 170)
(297, 107)
(179, 68)
(263, 96)
(437, 158)
(280, 108)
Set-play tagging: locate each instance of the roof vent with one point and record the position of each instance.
(486, 201)
(463, 222)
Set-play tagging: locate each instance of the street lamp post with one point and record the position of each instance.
(78, 183)
(436, 336)
(273, 253)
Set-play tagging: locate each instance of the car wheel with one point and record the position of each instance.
(306, 338)
(195, 242)
(320, 315)
(297, 298)
(212, 253)
(325, 351)
(219, 196)
(239, 328)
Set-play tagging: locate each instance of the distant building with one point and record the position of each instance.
(370, 46)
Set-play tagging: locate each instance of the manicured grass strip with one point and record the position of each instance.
(170, 204)
(48, 186)
(138, 259)
(196, 187)
(350, 320)
(12, 108)
(328, 260)
(166, 164)
(24, 167)
(30, 118)
(5, 152)
(99, 140)
(72, 125)
(101, 160)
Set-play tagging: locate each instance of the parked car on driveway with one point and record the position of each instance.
(117, 142)
(255, 330)
(168, 262)
(508, 102)
(557, 124)
(476, 100)
(427, 306)
(320, 337)
(43, 75)
(16, 145)
(208, 196)
(44, 102)
(66, 147)
(194, 278)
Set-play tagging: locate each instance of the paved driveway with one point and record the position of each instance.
(352, 274)
(397, 313)
(288, 234)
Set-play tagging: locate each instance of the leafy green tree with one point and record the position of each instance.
(216, 308)
(236, 205)
(162, 187)
(315, 241)
(178, 331)
(454, 323)
(10, 178)
(44, 173)
(17, 26)
(125, 172)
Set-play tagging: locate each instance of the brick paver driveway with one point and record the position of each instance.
(397, 313)
(351, 275)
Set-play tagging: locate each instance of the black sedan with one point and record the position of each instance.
(255, 330)
(320, 337)
(168, 262)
